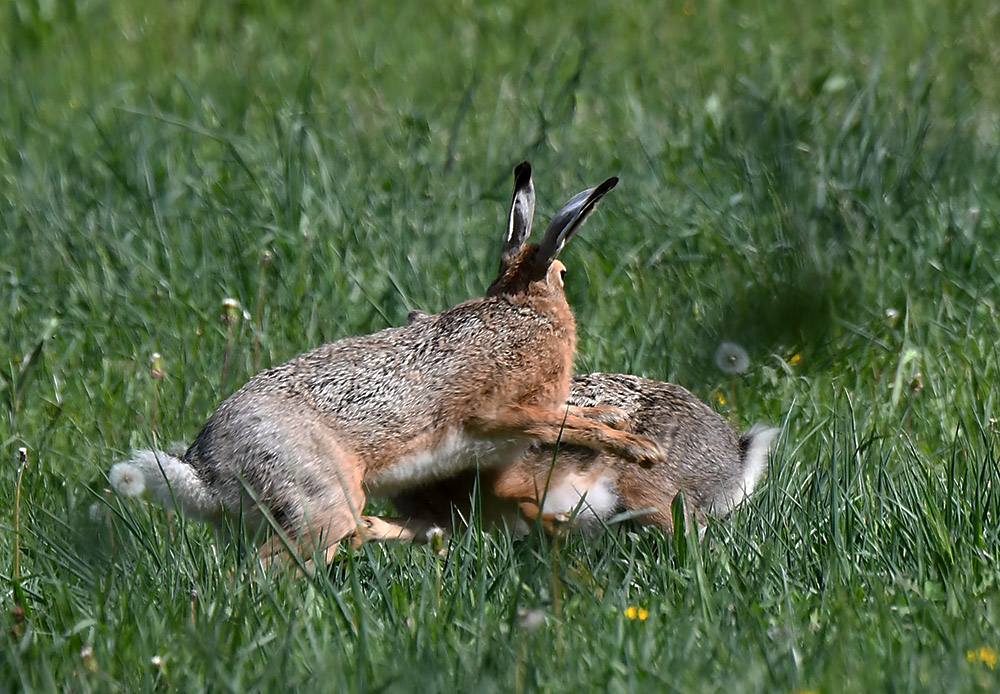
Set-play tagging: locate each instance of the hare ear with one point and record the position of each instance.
(567, 221)
(522, 211)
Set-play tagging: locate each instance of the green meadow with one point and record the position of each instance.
(817, 182)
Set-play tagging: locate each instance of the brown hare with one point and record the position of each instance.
(715, 468)
(304, 443)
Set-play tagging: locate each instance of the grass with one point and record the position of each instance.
(816, 183)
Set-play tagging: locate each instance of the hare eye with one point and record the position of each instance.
(562, 274)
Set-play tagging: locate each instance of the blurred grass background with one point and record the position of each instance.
(818, 183)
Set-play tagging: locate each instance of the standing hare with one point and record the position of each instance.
(303, 443)
(704, 458)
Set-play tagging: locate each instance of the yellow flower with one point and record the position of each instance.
(634, 612)
(795, 359)
(985, 655)
(720, 398)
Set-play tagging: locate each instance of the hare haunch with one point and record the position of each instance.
(715, 468)
(303, 443)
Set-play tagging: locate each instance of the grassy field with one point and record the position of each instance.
(819, 182)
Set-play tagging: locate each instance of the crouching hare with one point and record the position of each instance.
(302, 444)
(714, 467)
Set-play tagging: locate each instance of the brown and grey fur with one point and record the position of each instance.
(715, 467)
(305, 442)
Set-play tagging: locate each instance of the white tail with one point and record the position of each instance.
(169, 480)
(754, 444)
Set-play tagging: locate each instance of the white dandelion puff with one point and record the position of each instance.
(731, 358)
(437, 540)
(530, 619)
(88, 659)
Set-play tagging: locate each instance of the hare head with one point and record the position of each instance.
(533, 267)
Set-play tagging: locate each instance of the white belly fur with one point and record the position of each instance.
(592, 498)
(457, 452)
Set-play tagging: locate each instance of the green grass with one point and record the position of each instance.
(816, 182)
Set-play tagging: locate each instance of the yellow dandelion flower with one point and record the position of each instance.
(985, 655)
(635, 612)
(719, 397)
(795, 359)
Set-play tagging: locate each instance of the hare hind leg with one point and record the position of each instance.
(555, 426)
(322, 506)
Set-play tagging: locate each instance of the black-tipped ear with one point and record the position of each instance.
(567, 221)
(522, 211)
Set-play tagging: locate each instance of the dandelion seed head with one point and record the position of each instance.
(230, 311)
(530, 619)
(89, 662)
(156, 661)
(436, 538)
(156, 365)
(731, 358)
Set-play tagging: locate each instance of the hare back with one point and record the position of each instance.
(405, 392)
(702, 450)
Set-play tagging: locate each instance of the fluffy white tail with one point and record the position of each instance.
(755, 443)
(168, 479)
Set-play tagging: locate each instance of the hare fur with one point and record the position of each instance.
(714, 467)
(303, 444)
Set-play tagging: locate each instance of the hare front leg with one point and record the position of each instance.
(553, 427)
(606, 414)
(381, 529)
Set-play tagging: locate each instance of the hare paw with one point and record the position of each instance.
(645, 451)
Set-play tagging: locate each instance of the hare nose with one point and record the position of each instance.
(557, 271)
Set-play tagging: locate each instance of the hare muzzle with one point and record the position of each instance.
(557, 271)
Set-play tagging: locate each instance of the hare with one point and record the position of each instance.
(301, 445)
(715, 468)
